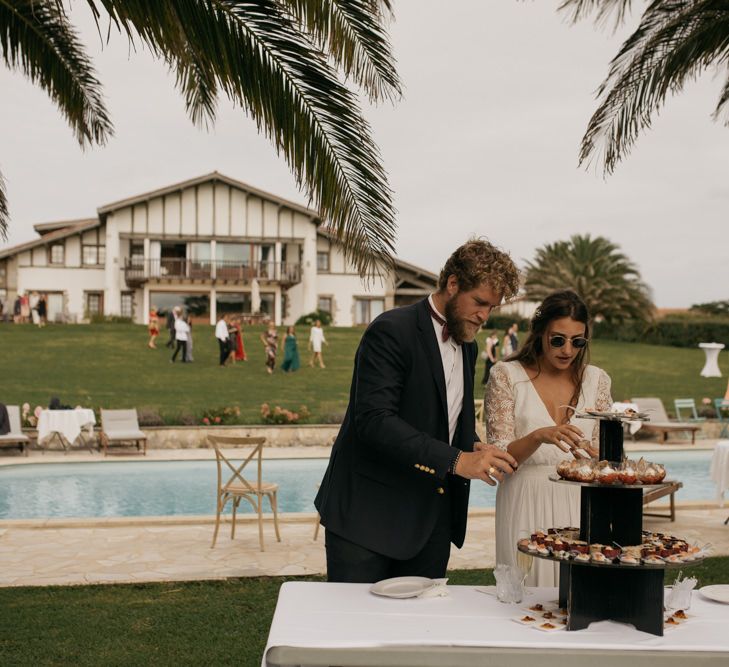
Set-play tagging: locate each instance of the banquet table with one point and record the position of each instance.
(319, 624)
(66, 423)
(719, 470)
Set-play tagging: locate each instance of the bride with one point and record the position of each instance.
(530, 399)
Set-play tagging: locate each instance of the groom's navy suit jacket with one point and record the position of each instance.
(388, 471)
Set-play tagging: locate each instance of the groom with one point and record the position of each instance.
(395, 493)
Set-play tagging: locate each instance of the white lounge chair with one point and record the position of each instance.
(659, 422)
(16, 437)
(121, 427)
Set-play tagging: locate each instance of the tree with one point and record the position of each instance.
(675, 42)
(280, 60)
(608, 282)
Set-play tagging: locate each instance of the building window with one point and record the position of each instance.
(94, 303)
(127, 305)
(322, 262)
(325, 304)
(136, 254)
(93, 255)
(58, 253)
(366, 310)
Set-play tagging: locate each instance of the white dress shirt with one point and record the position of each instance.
(181, 329)
(221, 330)
(452, 357)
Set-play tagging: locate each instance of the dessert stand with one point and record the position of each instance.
(611, 514)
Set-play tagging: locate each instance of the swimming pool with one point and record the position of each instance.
(173, 488)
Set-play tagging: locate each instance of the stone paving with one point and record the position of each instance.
(149, 551)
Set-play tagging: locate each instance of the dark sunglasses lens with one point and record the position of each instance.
(579, 343)
(557, 341)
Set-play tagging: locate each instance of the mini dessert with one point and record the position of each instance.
(627, 559)
(532, 546)
(598, 557)
(537, 607)
(523, 543)
(582, 558)
(611, 552)
(563, 469)
(542, 550)
(547, 614)
(596, 547)
(549, 626)
(606, 474)
(681, 615)
(653, 560)
(562, 554)
(672, 621)
(585, 472)
(675, 558)
(563, 621)
(528, 619)
(627, 474)
(580, 547)
(559, 545)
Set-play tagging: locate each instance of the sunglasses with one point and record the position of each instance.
(578, 342)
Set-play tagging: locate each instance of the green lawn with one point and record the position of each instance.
(109, 365)
(198, 623)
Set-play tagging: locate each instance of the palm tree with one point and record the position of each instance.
(675, 42)
(280, 60)
(608, 282)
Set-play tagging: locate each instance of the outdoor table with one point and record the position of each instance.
(319, 624)
(711, 367)
(66, 426)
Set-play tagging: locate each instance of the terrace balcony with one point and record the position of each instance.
(186, 271)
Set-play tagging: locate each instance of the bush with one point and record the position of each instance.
(150, 417)
(501, 322)
(308, 320)
(674, 330)
(281, 415)
(97, 318)
(221, 416)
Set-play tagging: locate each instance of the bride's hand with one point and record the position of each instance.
(564, 436)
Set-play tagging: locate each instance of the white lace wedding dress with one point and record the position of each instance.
(527, 500)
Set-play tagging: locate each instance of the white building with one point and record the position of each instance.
(212, 244)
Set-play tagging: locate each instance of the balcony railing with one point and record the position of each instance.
(167, 269)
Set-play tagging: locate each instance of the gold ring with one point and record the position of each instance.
(492, 470)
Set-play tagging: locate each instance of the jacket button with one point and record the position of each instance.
(440, 490)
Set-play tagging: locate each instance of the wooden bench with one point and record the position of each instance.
(665, 489)
(659, 422)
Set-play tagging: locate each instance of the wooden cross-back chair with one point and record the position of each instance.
(237, 487)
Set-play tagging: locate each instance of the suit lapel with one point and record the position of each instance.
(430, 344)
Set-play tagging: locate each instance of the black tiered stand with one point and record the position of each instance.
(621, 593)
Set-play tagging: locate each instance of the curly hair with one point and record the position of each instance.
(478, 262)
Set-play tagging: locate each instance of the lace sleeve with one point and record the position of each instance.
(499, 408)
(603, 403)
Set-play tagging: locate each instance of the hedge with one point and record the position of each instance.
(675, 331)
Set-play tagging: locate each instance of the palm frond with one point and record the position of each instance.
(723, 104)
(675, 42)
(352, 32)
(605, 11)
(4, 212)
(259, 57)
(37, 39)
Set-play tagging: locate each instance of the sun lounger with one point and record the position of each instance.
(121, 427)
(16, 437)
(659, 422)
(665, 489)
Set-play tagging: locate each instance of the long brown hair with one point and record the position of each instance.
(563, 303)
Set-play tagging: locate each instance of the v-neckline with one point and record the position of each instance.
(539, 396)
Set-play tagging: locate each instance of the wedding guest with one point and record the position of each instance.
(506, 348)
(489, 354)
(42, 310)
(153, 328)
(171, 319)
(529, 403)
(17, 310)
(182, 331)
(188, 347)
(270, 344)
(291, 360)
(316, 340)
(223, 338)
(233, 331)
(24, 308)
(395, 493)
(513, 335)
(240, 350)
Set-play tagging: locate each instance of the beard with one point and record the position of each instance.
(456, 324)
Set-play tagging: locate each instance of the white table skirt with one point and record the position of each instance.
(68, 423)
(336, 616)
(720, 469)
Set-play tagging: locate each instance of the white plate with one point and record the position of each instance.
(717, 592)
(402, 587)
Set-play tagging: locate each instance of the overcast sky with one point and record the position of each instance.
(497, 96)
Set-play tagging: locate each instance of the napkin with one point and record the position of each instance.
(437, 591)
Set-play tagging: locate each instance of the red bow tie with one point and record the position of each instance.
(445, 334)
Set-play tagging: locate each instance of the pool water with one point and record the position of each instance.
(167, 488)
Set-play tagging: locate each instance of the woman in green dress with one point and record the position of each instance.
(291, 352)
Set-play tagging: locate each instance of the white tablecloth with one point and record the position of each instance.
(720, 469)
(323, 615)
(66, 422)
